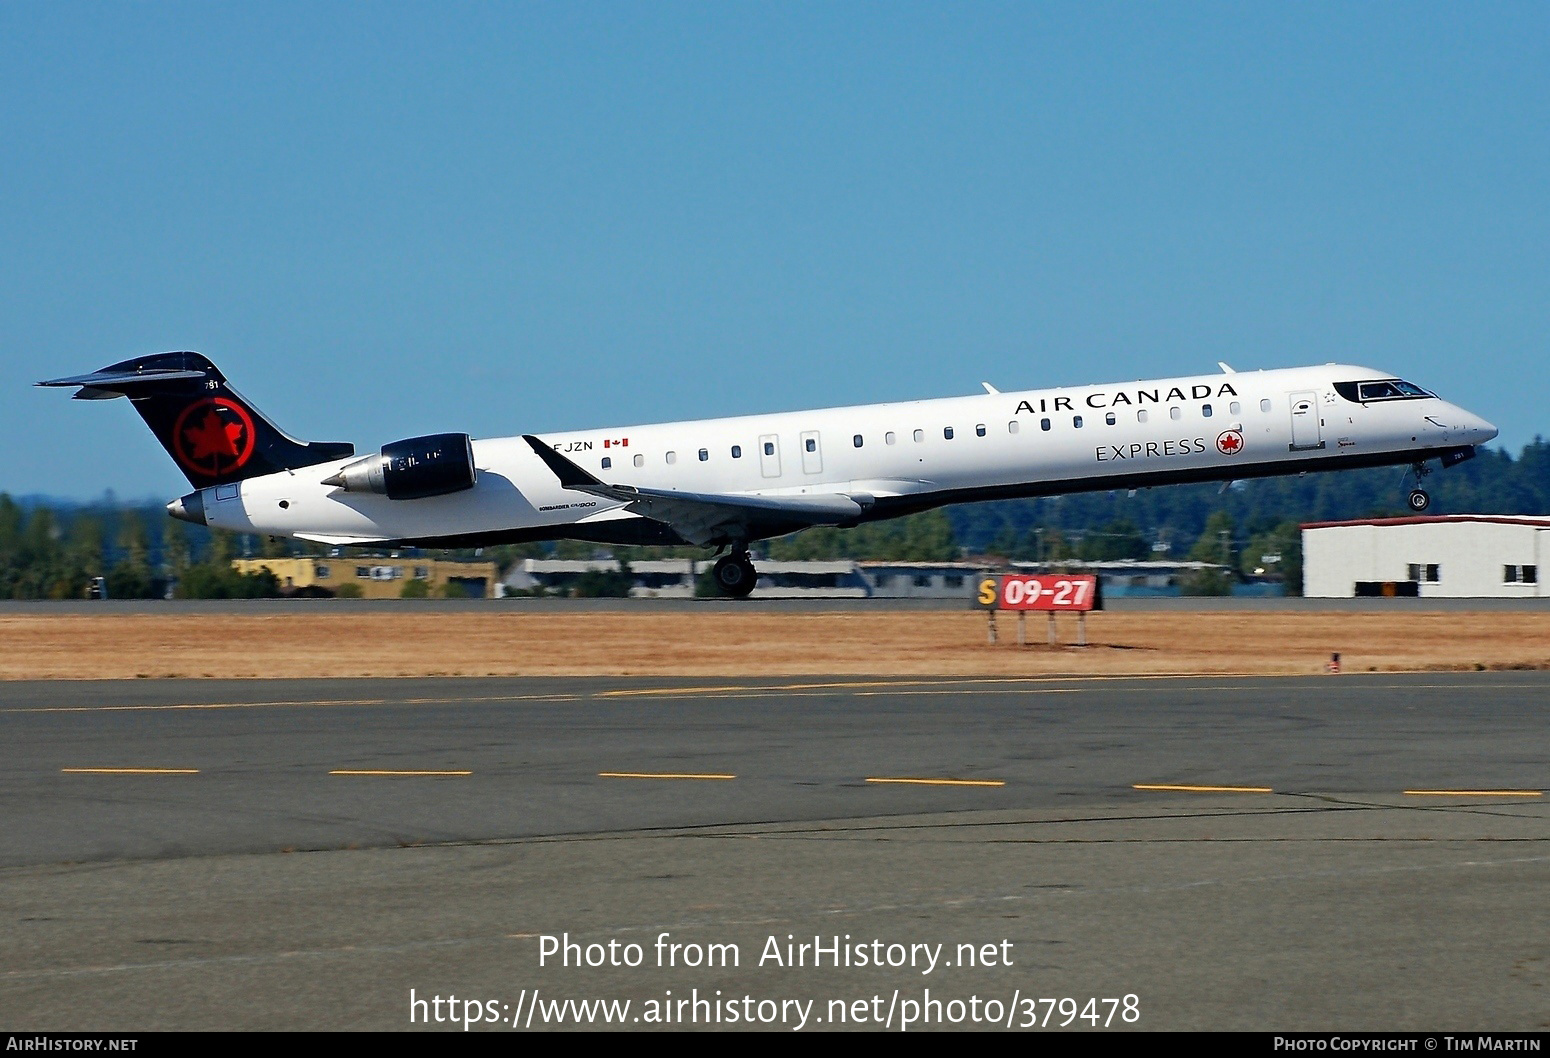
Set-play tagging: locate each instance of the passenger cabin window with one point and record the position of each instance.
(607, 462)
(856, 440)
(704, 454)
(769, 448)
(1264, 405)
(1044, 424)
(1076, 420)
(1175, 414)
(640, 460)
(1205, 410)
(1011, 427)
(889, 438)
(947, 432)
(1235, 408)
(1109, 418)
(672, 457)
(920, 435)
(812, 444)
(979, 431)
(1141, 415)
(737, 451)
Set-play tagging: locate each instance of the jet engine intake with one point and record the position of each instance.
(412, 469)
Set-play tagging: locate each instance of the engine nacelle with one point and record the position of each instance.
(412, 469)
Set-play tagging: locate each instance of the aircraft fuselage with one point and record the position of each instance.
(894, 458)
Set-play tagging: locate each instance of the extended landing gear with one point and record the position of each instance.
(1419, 499)
(734, 575)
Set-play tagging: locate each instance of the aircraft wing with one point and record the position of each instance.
(711, 518)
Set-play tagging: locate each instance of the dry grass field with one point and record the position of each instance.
(733, 645)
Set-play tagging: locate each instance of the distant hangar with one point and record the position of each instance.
(1459, 556)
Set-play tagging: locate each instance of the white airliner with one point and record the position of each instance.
(725, 483)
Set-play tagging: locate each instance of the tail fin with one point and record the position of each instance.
(213, 434)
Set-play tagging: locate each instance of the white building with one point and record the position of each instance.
(1458, 556)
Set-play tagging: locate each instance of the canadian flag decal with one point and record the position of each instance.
(625, 443)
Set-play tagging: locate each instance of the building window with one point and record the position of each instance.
(856, 440)
(640, 460)
(607, 462)
(363, 571)
(320, 572)
(920, 435)
(704, 454)
(953, 580)
(947, 432)
(922, 580)
(737, 451)
(1520, 574)
(979, 431)
(1425, 573)
(889, 438)
(422, 572)
(1044, 424)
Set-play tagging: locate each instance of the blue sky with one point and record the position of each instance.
(390, 219)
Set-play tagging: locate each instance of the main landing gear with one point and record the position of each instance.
(1419, 499)
(734, 574)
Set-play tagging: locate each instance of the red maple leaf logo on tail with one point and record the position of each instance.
(213, 437)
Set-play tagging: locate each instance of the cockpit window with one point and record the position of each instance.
(1380, 389)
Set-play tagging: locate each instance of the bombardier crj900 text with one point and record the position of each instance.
(724, 483)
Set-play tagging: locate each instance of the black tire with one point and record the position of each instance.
(735, 577)
(1419, 500)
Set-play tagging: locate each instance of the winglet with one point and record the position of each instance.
(571, 476)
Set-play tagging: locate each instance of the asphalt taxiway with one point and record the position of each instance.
(1300, 853)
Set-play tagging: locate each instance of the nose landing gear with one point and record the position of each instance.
(734, 574)
(1419, 499)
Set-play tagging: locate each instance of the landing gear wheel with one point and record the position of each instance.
(1419, 500)
(734, 576)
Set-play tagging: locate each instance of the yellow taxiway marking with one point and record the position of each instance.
(1475, 793)
(130, 771)
(837, 685)
(1170, 788)
(659, 775)
(290, 705)
(944, 782)
(396, 774)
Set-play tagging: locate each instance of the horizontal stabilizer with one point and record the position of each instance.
(101, 384)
